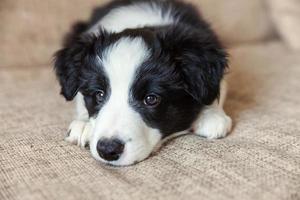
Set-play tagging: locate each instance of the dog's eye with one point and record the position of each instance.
(100, 96)
(152, 100)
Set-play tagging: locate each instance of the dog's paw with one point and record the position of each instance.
(213, 124)
(79, 133)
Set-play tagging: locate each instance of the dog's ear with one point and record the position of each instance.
(69, 61)
(199, 58)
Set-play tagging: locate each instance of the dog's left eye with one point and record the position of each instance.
(100, 96)
(152, 100)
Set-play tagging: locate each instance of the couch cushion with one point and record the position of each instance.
(258, 160)
(286, 17)
(31, 30)
(237, 21)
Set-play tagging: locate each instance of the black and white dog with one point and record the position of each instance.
(142, 71)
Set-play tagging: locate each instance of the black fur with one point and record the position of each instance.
(186, 66)
(68, 64)
(185, 69)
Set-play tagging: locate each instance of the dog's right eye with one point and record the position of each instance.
(152, 100)
(100, 96)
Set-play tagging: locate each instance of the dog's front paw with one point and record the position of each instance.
(213, 124)
(79, 133)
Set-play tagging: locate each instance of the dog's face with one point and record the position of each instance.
(140, 86)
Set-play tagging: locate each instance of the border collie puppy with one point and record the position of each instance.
(142, 71)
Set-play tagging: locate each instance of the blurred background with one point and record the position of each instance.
(258, 160)
(32, 29)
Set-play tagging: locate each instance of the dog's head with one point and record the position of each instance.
(140, 86)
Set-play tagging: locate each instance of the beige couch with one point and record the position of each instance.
(260, 159)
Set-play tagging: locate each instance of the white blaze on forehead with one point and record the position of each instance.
(135, 16)
(117, 119)
(121, 60)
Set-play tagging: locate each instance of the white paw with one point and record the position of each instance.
(79, 133)
(213, 124)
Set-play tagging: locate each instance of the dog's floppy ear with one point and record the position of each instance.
(69, 61)
(199, 57)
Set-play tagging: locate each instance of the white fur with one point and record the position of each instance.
(79, 133)
(117, 20)
(80, 129)
(117, 119)
(134, 16)
(213, 123)
(81, 111)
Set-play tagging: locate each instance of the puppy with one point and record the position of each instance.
(142, 71)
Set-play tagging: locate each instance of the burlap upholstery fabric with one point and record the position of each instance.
(259, 160)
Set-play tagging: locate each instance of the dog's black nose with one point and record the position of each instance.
(110, 149)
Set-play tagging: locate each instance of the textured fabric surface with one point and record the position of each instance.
(32, 29)
(259, 160)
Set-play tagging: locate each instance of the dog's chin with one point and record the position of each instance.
(121, 162)
(124, 161)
